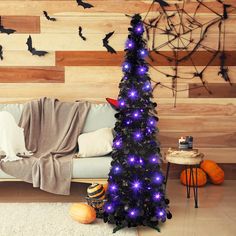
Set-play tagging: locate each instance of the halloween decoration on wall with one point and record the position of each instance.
(48, 17)
(162, 3)
(1, 52)
(106, 43)
(81, 34)
(84, 4)
(181, 30)
(4, 30)
(135, 194)
(33, 50)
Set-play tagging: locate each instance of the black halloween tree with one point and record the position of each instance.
(135, 194)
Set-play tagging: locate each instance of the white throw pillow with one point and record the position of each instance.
(96, 143)
(12, 141)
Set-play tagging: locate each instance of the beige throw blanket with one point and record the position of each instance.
(51, 131)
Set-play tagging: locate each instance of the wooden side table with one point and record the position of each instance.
(189, 158)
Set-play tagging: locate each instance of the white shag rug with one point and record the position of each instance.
(49, 219)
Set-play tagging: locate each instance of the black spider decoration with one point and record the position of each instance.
(178, 27)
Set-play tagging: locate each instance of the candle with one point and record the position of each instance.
(182, 139)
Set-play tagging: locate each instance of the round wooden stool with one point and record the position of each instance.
(191, 159)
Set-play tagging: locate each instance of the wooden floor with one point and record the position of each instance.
(216, 215)
(24, 192)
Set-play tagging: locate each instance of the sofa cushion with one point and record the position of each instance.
(96, 143)
(91, 168)
(99, 116)
(84, 168)
(14, 109)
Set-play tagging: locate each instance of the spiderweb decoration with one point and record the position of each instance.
(186, 33)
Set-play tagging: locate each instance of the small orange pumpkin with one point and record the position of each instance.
(105, 186)
(215, 173)
(201, 177)
(82, 213)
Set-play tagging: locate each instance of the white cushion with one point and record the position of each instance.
(14, 109)
(12, 139)
(97, 143)
(99, 116)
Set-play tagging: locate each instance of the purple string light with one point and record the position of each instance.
(113, 187)
(109, 208)
(128, 122)
(139, 29)
(133, 94)
(118, 143)
(143, 53)
(158, 178)
(126, 66)
(129, 44)
(138, 136)
(136, 115)
(133, 213)
(147, 86)
(157, 197)
(121, 103)
(131, 159)
(161, 214)
(142, 70)
(152, 121)
(149, 131)
(136, 185)
(140, 161)
(117, 169)
(154, 159)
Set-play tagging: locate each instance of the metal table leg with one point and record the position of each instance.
(167, 174)
(195, 187)
(188, 182)
(196, 190)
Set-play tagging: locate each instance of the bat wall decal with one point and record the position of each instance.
(33, 50)
(106, 42)
(84, 4)
(4, 30)
(162, 3)
(48, 17)
(1, 52)
(81, 34)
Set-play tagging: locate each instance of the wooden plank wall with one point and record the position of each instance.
(76, 69)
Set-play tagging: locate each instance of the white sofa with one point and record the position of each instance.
(87, 170)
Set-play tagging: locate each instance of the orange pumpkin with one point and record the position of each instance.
(82, 213)
(215, 173)
(105, 186)
(201, 177)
